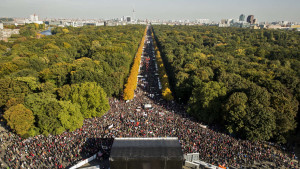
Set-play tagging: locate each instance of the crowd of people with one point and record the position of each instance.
(133, 119)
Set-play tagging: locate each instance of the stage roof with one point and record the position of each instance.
(168, 147)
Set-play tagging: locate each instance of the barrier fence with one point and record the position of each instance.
(192, 160)
(83, 162)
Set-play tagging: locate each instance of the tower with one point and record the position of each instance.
(36, 18)
(133, 14)
(242, 17)
(250, 19)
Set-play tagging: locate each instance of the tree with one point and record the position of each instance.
(70, 115)
(249, 114)
(45, 108)
(259, 70)
(48, 120)
(167, 94)
(32, 82)
(260, 123)
(235, 111)
(205, 102)
(12, 89)
(91, 97)
(63, 93)
(14, 101)
(53, 116)
(286, 109)
(65, 31)
(3, 49)
(37, 72)
(19, 118)
(28, 30)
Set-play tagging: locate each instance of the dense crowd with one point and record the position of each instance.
(133, 119)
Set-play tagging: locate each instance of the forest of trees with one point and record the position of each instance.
(51, 84)
(6, 19)
(246, 81)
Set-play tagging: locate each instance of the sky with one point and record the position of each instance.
(215, 10)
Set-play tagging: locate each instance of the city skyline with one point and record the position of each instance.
(215, 10)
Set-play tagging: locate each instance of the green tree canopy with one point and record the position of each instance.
(19, 118)
(205, 102)
(53, 116)
(258, 68)
(90, 96)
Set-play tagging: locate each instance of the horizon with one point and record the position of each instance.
(215, 10)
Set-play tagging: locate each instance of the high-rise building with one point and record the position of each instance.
(254, 21)
(242, 17)
(223, 21)
(33, 19)
(203, 21)
(250, 19)
(128, 19)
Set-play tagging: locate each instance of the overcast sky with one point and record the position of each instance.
(263, 10)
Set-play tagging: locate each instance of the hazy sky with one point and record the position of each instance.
(263, 10)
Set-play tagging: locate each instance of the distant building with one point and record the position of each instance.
(142, 22)
(33, 19)
(6, 33)
(235, 20)
(128, 19)
(240, 25)
(226, 22)
(242, 17)
(54, 23)
(284, 22)
(223, 21)
(263, 26)
(274, 26)
(254, 27)
(223, 25)
(1, 25)
(110, 23)
(20, 21)
(100, 24)
(78, 24)
(254, 21)
(250, 19)
(89, 24)
(203, 21)
(69, 24)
